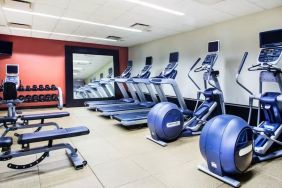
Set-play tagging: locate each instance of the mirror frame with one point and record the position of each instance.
(69, 51)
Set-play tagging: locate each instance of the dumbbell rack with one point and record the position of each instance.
(32, 97)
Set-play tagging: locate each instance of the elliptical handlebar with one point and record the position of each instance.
(210, 73)
(239, 72)
(189, 76)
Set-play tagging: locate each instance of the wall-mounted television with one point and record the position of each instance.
(6, 48)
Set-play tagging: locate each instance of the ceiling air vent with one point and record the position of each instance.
(19, 25)
(142, 27)
(114, 38)
(18, 4)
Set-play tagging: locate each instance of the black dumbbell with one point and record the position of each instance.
(28, 88)
(21, 97)
(48, 97)
(53, 87)
(54, 97)
(41, 98)
(35, 98)
(27, 98)
(34, 88)
(41, 88)
(47, 87)
(21, 88)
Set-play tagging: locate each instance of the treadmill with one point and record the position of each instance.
(141, 105)
(166, 76)
(93, 105)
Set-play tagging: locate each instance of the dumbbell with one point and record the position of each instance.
(48, 97)
(41, 88)
(21, 97)
(34, 88)
(21, 88)
(53, 87)
(35, 98)
(41, 98)
(28, 88)
(47, 87)
(54, 97)
(27, 98)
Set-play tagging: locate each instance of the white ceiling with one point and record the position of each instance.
(84, 71)
(198, 13)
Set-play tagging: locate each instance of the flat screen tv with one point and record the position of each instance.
(6, 48)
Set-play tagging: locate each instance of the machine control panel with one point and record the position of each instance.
(270, 55)
(210, 58)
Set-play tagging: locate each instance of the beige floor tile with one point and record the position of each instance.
(20, 179)
(119, 172)
(149, 182)
(186, 175)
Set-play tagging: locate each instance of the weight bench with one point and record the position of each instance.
(26, 139)
(30, 117)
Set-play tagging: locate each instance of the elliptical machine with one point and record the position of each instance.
(228, 143)
(167, 121)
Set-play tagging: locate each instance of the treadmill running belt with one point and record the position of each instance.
(122, 108)
(132, 116)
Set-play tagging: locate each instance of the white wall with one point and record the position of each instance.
(236, 37)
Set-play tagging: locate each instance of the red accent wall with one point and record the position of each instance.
(42, 61)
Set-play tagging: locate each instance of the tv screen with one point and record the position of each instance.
(6, 48)
(12, 69)
(213, 46)
(271, 38)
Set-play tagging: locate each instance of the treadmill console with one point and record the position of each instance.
(127, 72)
(12, 74)
(270, 56)
(148, 66)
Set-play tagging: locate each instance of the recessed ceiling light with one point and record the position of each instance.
(157, 7)
(78, 69)
(70, 19)
(63, 34)
(82, 62)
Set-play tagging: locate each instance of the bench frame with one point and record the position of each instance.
(26, 150)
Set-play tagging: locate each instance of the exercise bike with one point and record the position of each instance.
(167, 121)
(228, 143)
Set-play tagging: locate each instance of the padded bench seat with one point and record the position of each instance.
(52, 135)
(7, 119)
(51, 115)
(5, 142)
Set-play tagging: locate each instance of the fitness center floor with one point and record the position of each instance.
(118, 157)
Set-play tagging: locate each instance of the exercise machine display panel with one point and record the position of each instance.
(213, 47)
(271, 38)
(12, 69)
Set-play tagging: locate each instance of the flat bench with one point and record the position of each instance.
(6, 120)
(52, 135)
(42, 116)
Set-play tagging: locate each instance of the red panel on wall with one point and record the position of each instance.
(42, 61)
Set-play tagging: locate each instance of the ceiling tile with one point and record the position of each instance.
(4, 30)
(21, 33)
(44, 24)
(54, 3)
(66, 27)
(14, 17)
(40, 35)
(269, 4)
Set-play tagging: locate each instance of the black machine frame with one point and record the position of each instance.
(69, 51)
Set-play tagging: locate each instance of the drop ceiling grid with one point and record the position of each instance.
(123, 13)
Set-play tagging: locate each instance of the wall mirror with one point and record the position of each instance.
(89, 74)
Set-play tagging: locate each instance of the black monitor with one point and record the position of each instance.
(173, 57)
(130, 63)
(12, 69)
(6, 48)
(213, 46)
(149, 60)
(271, 38)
